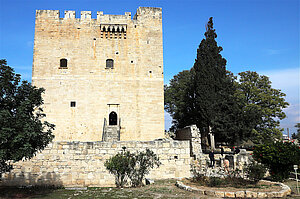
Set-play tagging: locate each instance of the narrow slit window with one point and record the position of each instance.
(109, 63)
(63, 63)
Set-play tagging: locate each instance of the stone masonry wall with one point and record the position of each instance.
(192, 134)
(73, 164)
(133, 88)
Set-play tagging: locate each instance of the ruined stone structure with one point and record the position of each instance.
(103, 77)
(192, 134)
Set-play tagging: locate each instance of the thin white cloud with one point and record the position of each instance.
(27, 68)
(285, 78)
(288, 81)
(275, 51)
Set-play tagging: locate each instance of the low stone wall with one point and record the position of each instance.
(285, 190)
(79, 164)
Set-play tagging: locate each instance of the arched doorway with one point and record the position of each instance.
(113, 118)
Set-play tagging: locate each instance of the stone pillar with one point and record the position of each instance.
(212, 139)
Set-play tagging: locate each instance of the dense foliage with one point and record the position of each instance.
(212, 98)
(279, 157)
(178, 100)
(121, 166)
(261, 104)
(255, 171)
(22, 133)
(201, 95)
(144, 161)
(133, 166)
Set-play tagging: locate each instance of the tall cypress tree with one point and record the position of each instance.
(209, 80)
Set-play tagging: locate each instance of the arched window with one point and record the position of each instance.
(109, 63)
(113, 118)
(63, 63)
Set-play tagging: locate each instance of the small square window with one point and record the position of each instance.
(73, 104)
(109, 63)
(63, 63)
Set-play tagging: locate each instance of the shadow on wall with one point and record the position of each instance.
(28, 179)
(29, 185)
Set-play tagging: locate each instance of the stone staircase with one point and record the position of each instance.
(111, 133)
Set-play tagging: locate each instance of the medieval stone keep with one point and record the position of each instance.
(103, 77)
(103, 81)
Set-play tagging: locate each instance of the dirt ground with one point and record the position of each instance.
(160, 189)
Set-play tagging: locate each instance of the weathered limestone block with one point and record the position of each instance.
(209, 193)
(219, 194)
(262, 195)
(229, 194)
(240, 194)
(251, 194)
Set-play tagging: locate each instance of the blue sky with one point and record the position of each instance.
(256, 35)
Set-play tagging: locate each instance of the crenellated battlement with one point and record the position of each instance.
(142, 12)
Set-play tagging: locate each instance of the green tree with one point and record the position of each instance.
(178, 101)
(22, 133)
(209, 81)
(203, 94)
(279, 157)
(261, 105)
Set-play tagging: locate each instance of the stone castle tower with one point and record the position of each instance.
(103, 77)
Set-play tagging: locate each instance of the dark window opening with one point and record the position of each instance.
(63, 63)
(113, 118)
(109, 63)
(73, 104)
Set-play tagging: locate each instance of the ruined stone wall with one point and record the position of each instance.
(82, 163)
(133, 88)
(192, 134)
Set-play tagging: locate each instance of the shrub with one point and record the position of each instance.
(134, 166)
(255, 171)
(144, 161)
(279, 157)
(121, 166)
(215, 181)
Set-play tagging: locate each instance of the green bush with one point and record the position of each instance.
(121, 166)
(279, 157)
(144, 161)
(215, 181)
(255, 171)
(133, 166)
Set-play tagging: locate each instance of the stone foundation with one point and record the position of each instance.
(78, 164)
